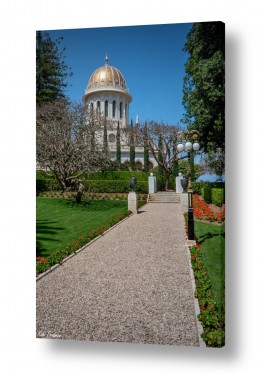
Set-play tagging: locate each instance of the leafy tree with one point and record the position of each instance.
(132, 146)
(64, 142)
(214, 163)
(204, 83)
(196, 170)
(51, 69)
(159, 139)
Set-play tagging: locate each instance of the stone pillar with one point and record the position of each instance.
(152, 186)
(184, 200)
(132, 202)
(179, 188)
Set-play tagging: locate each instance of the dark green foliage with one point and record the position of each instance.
(48, 184)
(213, 195)
(117, 175)
(146, 153)
(118, 145)
(206, 194)
(218, 196)
(51, 70)
(197, 186)
(204, 83)
(120, 186)
(183, 168)
(132, 148)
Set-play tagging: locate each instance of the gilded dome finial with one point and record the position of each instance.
(106, 60)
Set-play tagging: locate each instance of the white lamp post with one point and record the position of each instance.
(188, 142)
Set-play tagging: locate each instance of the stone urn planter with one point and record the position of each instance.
(184, 184)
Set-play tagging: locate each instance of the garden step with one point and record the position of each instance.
(164, 197)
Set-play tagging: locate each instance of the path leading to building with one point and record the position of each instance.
(131, 285)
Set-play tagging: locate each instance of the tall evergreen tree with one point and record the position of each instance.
(118, 145)
(132, 147)
(204, 83)
(51, 69)
(146, 153)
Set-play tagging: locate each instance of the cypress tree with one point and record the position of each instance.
(146, 154)
(132, 147)
(118, 145)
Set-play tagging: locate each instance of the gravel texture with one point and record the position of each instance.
(132, 285)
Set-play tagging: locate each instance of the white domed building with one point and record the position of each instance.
(107, 92)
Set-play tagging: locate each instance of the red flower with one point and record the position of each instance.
(101, 232)
(197, 245)
(73, 248)
(202, 307)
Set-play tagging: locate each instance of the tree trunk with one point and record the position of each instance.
(167, 181)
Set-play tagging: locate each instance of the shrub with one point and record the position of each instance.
(111, 186)
(218, 196)
(48, 184)
(206, 194)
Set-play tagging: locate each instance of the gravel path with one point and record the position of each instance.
(131, 285)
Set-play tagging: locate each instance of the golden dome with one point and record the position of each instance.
(106, 76)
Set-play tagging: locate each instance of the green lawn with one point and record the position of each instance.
(60, 221)
(212, 240)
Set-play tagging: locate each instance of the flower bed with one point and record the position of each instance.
(212, 321)
(43, 264)
(204, 211)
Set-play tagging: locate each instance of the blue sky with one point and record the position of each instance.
(150, 57)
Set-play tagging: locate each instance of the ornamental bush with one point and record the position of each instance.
(218, 196)
(111, 186)
(206, 194)
(47, 184)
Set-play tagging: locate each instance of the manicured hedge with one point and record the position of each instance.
(47, 184)
(218, 196)
(206, 194)
(119, 186)
(117, 175)
(197, 186)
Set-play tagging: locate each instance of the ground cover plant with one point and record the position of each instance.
(208, 263)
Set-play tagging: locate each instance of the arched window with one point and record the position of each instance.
(138, 165)
(150, 165)
(121, 110)
(98, 105)
(106, 108)
(112, 138)
(114, 108)
(92, 106)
